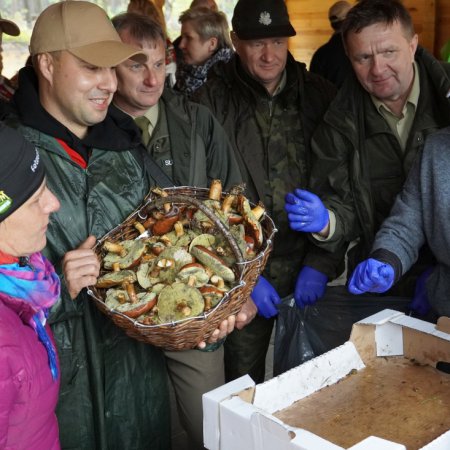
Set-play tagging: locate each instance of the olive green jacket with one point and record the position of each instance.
(349, 174)
(190, 145)
(114, 391)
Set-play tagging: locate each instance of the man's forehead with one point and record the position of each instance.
(144, 43)
(264, 40)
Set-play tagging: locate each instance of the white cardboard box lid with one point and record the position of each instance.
(238, 421)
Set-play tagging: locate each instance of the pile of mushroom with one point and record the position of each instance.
(182, 264)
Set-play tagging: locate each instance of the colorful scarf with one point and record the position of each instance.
(37, 284)
(190, 78)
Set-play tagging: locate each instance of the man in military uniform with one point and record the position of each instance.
(269, 106)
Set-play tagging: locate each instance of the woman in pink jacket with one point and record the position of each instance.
(29, 375)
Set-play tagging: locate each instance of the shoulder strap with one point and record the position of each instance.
(152, 169)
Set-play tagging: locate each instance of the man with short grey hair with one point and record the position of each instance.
(269, 105)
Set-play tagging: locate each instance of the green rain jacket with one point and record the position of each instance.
(114, 391)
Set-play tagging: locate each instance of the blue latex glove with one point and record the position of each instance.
(310, 286)
(265, 298)
(306, 212)
(371, 276)
(419, 304)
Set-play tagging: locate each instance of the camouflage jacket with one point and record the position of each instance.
(271, 139)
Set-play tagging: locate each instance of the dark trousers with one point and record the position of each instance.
(245, 350)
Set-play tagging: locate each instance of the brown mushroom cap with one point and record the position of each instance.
(179, 301)
(214, 262)
(111, 279)
(146, 301)
(213, 294)
(205, 239)
(135, 249)
(201, 276)
(166, 223)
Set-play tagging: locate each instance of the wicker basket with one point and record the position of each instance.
(186, 333)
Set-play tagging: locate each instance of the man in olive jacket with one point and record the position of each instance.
(269, 106)
(113, 389)
(191, 148)
(365, 147)
(114, 392)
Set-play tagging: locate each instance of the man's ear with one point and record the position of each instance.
(45, 66)
(213, 43)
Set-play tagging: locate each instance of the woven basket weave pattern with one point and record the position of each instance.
(187, 333)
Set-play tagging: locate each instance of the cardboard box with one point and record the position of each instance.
(379, 391)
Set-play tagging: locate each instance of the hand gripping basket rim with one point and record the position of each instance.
(186, 333)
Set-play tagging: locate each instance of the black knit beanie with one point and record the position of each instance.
(21, 171)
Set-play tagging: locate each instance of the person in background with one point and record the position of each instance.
(211, 4)
(154, 11)
(420, 214)
(362, 153)
(191, 148)
(6, 86)
(29, 286)
(114, 391)
(331, 60)
(205, 40)
(269, 106)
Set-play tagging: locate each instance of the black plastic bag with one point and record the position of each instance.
(295, 340)
(302, 334)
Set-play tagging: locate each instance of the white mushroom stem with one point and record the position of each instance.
(218, 281)
(186, 311)
(139, 227)
(162, 193)
(208, 303)
(179, 229)
(129, 287)
(116, 267)
(215, 190)
(192, 280)
(164, 263)
(115, 248)
(258, 211)
(121, 298)
(228, 203)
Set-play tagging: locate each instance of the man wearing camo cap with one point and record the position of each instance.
(269, 105)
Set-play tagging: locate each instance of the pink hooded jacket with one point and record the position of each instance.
(28, 394)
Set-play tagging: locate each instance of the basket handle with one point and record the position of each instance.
(177, 198)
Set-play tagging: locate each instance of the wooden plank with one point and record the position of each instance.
(310, 19)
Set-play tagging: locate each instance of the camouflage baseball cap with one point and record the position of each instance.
(258, 19)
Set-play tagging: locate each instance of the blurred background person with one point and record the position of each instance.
(211, 4)
(331, 60)
(6, 86)
(205, 40)
(29, 286)
(154, 11)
